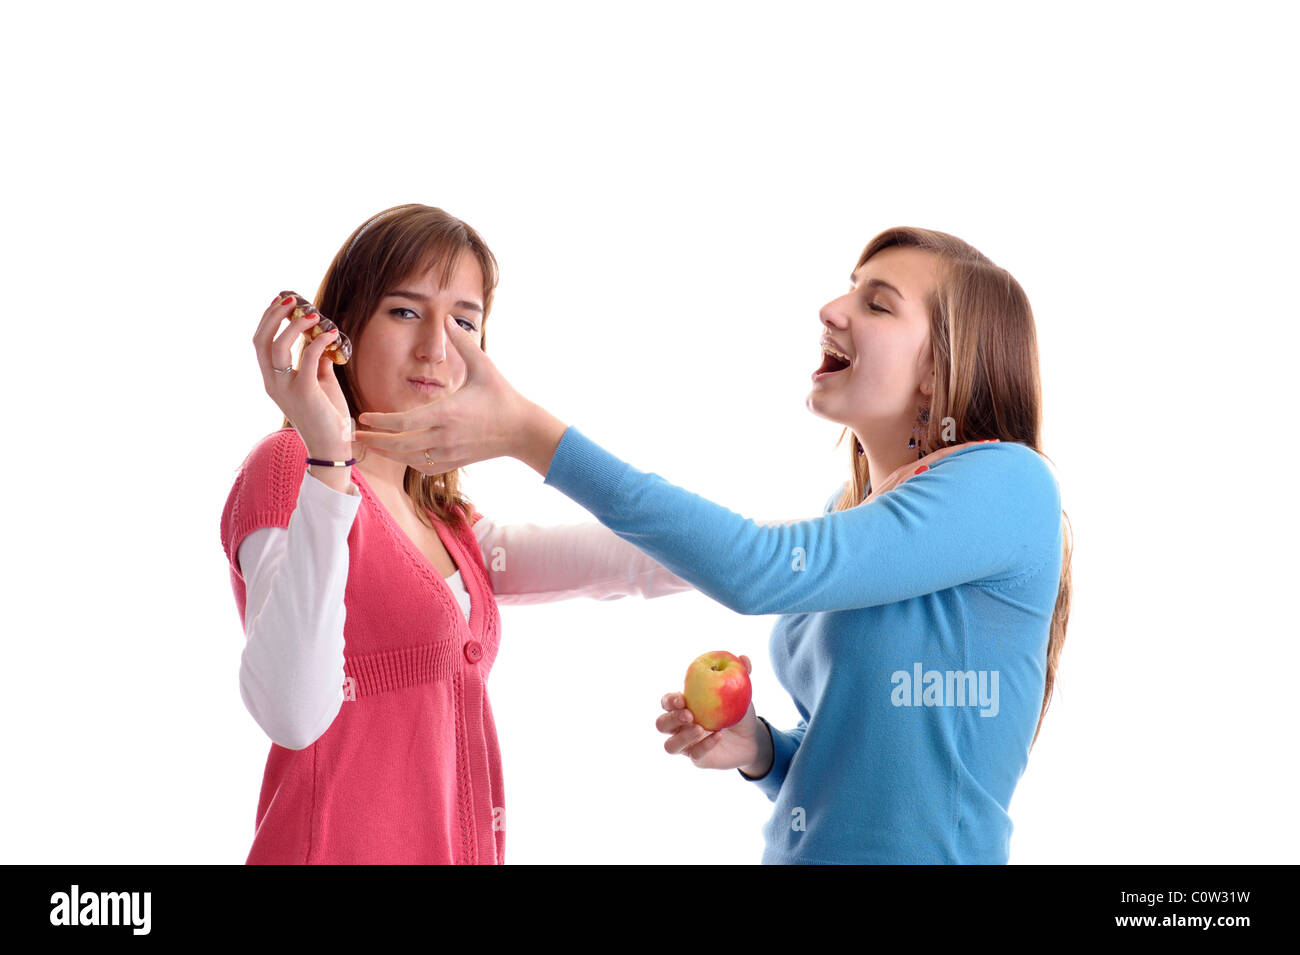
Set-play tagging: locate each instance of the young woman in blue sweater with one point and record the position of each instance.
(922, 615)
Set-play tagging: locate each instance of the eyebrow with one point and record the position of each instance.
(878, 283)
(424, 299)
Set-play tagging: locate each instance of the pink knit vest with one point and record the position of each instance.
(410, 769)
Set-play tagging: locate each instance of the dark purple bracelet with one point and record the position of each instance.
(333, 464)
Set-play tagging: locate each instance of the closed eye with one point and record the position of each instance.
(873, 306)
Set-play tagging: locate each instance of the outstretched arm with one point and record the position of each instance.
(980, 514)
(529, 564)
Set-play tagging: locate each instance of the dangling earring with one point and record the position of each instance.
(917, 440)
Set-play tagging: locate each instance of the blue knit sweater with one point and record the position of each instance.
(913, 639)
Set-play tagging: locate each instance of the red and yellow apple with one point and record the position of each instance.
(717, 689)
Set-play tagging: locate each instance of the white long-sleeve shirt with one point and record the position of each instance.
(291, 674)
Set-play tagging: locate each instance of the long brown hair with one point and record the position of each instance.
(985, 350)
(388, 247)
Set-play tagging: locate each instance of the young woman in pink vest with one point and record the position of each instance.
(368, 588)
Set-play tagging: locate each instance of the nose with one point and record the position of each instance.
(832, 314)
(432, 344)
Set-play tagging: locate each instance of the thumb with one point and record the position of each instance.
(466, 345)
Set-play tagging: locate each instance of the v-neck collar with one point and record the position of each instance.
(449, 539)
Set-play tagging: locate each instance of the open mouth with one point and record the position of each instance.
(833, 360)
(832, 363)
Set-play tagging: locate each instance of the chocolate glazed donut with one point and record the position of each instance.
(340, 350)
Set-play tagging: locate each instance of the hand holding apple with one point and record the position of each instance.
(744, 745)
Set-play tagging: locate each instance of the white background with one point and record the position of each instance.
(673, 190)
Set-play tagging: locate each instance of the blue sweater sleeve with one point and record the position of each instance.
(982, 513)
(784, 744)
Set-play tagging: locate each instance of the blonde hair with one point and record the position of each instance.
(384, 250)
(985, 350)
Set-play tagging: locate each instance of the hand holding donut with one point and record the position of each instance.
(310, 396)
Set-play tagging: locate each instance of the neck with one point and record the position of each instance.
(379, 470)
(886, 452)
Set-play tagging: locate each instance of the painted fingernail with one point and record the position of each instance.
(286, 300)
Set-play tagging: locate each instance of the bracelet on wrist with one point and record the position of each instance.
(332, 464)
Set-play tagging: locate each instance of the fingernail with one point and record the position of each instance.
(286, 300)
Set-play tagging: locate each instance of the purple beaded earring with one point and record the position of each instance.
(917, 441)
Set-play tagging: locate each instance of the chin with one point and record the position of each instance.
(817, 407)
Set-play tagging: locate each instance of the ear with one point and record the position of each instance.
(925, 369)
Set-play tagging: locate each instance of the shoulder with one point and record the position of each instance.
(277, 450)
(265, 489)
(1008, 461)
(1005, 471)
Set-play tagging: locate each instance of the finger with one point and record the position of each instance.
(685, 738)
(674, 720)
(670, 701)
(703, 747)
(467, 344)
(390, 421)
(282, 347)
(280, 306)
(315, 350)
(271, 319)
(281, 354)
(397, 443)
(275, 304)
(311, 356)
